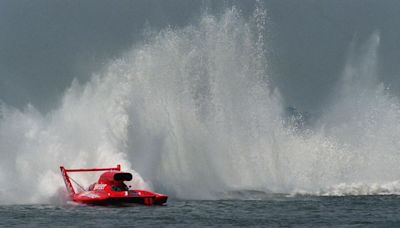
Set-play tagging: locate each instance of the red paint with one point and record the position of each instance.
(110, 189)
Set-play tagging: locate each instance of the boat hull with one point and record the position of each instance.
(126, 197)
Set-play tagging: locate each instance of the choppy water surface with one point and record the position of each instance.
(352, 211)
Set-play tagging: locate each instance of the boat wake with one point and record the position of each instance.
(356, 189)
(194, 112)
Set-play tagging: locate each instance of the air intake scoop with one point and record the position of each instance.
(122, 176)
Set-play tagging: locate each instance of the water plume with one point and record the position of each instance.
(193, 113)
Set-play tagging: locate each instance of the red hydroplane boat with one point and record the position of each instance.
(110, 189)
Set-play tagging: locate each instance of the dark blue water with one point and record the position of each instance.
(277, 211)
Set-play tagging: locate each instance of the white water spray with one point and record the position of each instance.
(191, 110)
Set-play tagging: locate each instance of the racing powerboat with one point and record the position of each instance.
(109, 189)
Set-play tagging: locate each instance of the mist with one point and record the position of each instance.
(194, 103)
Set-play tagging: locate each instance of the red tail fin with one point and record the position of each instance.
(67, 181)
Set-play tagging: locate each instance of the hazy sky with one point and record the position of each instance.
(44, 44)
